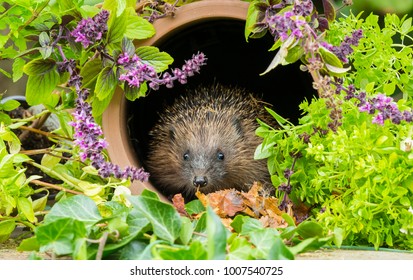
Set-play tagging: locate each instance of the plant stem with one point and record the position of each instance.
(54, 174)
(35, 125)
(53, 186)
(45, 133)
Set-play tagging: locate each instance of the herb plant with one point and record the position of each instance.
(349, 158)
(347, 161)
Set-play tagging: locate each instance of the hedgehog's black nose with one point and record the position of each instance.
(200, 181)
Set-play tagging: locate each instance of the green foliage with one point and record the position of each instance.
(358, 179)
(382, 61)
(151, 229)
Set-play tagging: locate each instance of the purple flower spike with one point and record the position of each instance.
(91, 30)
(136, 72)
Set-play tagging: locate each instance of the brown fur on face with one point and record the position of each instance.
(207, 139)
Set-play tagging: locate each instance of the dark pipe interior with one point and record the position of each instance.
(231, 60)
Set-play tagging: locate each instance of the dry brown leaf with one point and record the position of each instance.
(179, 203)
(255, 203)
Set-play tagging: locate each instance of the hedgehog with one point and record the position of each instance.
(206, 141)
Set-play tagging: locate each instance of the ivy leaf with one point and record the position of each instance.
(186, 230)
(279, 251)
(196, 251)
(240, 249)
(217, 237)
(59, 235)
(308, 229)
(79, 207)
(106, 83)
(165, 220)
(150, 55)
(263, 240)
(138, 250)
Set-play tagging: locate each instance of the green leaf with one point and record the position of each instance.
(251, 20)
(263, 240)
(407, 24)
(294, 54)
(282, 53)
(194, 207)
(240, 249)
(106, 83)
(10, 105)
(330, 58)
(196, 251)
(18, 65)
(165, 220)
(90, 71)
(308, 229)
(150, 55)
(389, 88)
(29, 244)
(116, 28)
(138, 27)
(137, 250)
(39, 67)
(78, 207)
(279, 251)
(24, 205)
(6, 228)
(99, 106)
(186, 230)
(40, 203)
(217, 236)
(133, 93)
(39, 89)
(59, 235)
(338, 236)
(250, 225)
(50, 160)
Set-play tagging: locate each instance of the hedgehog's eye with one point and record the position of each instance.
(220, 156)
(186, 156)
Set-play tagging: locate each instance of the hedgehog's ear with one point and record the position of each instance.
(238, 126)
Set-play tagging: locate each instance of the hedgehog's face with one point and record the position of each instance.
(204, 168)
(206, 155)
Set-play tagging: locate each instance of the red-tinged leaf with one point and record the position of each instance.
(329, 10)
(179, 203)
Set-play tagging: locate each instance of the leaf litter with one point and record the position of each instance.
(256, 203)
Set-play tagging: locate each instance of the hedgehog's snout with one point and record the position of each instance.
(200, 181)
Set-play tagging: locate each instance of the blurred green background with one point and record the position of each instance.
(380, 7)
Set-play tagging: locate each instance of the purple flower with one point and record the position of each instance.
(88, 137)
(378, 119)
(90, 30)
(136, 72)
(282, 25)
(303, 8)
(345, 49)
